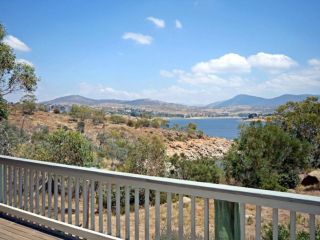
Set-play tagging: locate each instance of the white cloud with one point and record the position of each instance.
(271, 62)
(16, 43)
(21, 60)
(160, 23)
(138, 38)
(228, 63)
(178, 24)
(314, 62)
(306, 80)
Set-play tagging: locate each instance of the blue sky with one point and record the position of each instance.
(192, 52)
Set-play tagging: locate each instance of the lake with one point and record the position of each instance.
(213, 127)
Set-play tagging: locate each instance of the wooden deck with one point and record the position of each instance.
(15, 231)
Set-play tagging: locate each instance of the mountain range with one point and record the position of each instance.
(239, 100)
(253, 101)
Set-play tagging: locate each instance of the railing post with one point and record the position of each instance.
(1, 183)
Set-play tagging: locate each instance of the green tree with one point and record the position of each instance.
(14, 76)
(267, 157)
(28, 103)
(302, 120)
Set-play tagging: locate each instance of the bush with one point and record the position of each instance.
(81, 112)
(4, 111)
(67, 147)
(28, 104)
(302, 120)
(117, 119)
(11, 138)
(267, 157)
(98, 116)
(201, 170)
(56, 111)
(284, 233)
(146, 156)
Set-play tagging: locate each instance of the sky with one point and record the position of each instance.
(192, 51)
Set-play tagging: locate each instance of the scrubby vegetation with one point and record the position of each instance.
(271, 155)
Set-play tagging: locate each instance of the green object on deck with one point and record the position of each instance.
(227, 220)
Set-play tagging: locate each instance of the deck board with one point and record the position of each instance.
(15, 231)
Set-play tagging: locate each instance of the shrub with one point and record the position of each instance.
(201, 170)
(302, 120)
(28, 104)
(4, 111)
(265, 156)
(146, 156)
(56, 111)
(81, 112)
(98, 116)
(284, 233)
(67, 147)
(117, 119)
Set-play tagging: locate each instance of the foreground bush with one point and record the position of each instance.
(284, 233)
(67, 147)
(267, 157)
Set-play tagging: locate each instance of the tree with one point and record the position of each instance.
(302, 120)
(267, 157)
(14, 76)
(28, 104)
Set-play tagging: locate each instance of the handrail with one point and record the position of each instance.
(21, 184)
(313, 202)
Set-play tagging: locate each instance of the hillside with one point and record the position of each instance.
(80, 100)
(253, 101)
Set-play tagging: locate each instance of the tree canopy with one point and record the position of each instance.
(14, 75)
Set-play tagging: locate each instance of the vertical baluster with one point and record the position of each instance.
(136, 213)
(127, 210)
(146, 209)
(275, 221)
(37, 210)
(292, 225)
(69, 201)
(55, 190)
(49, 193)
(118, 227)
(85, 204)
(312, 226)
(101, 207)
(43, 190)
(206, 218)
(25, 189)
(15, 186)
(258, 222)
(31, 180)
(20, 187)
(242, 210)
(10, 185)
(5, 194)
(157, 216)
(63, 200)
(169, 214)
(193, 217)
(92, 225)
(77, 201)
(180, 216)
(109, 213)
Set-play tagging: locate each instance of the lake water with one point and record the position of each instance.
(213, 127)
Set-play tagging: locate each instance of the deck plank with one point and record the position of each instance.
(15, 231)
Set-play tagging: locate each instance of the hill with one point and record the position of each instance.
(253, 101)
(80, 100)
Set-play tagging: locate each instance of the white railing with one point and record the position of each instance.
(97, 204)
